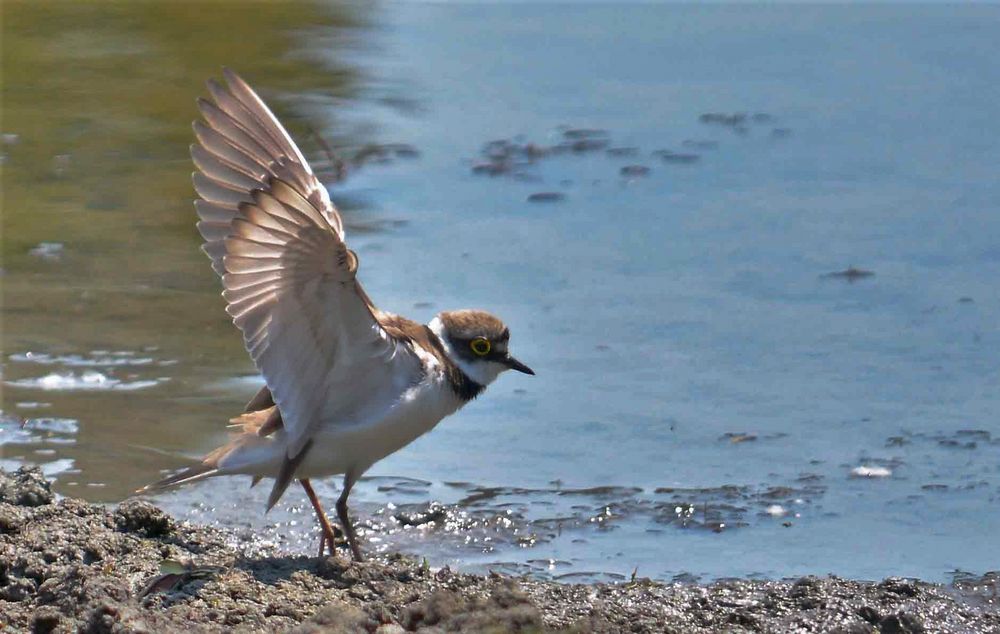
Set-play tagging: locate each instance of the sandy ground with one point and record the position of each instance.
(67, 565)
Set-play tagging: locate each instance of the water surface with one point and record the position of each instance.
(708, 401)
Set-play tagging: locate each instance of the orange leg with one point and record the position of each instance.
(329, 535)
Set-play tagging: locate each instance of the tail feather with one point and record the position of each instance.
(285, 475)
(191, 474)
(250, 452)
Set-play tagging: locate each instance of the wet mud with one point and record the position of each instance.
(68, 565)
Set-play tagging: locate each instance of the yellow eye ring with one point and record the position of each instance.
(480, 346)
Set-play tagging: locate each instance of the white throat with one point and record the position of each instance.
(482, 372)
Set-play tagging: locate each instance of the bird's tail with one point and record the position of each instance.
(191, 474)
(248, 452)
(208, 467)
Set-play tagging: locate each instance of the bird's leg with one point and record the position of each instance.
(328, 535)
(345, 519)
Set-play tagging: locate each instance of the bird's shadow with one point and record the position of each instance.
(274, 570)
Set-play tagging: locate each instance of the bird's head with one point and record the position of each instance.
(477, 342)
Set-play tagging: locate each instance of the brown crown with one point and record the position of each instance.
(468, 324)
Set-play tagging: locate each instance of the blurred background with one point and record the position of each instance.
(751, 252)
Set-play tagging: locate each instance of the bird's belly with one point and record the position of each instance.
(342, 447)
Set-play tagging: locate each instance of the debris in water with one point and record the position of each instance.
(631, 171)
(546, 197)
(851, 274)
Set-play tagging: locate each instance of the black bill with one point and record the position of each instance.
(514, 364)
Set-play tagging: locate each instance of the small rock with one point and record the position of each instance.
(434, 513)
(744, 620)
(18, 589)
(897, 585)
(11, 519)
(138, 516)
(332, 567)
(104, 618)
(804, 586)
(901, 623)
(25, 487)
(46, 620)
(869, 614)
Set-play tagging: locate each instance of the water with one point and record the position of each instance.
(751, 415)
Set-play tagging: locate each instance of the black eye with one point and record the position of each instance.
(480, 346)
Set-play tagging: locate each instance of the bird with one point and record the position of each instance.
(346, 383)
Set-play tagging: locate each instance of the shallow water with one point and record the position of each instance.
(751, 414)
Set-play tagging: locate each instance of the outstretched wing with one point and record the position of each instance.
(289, 279)
(241, 146)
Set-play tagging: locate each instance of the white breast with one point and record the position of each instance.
(338, 448)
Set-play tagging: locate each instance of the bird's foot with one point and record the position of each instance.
(331, 539)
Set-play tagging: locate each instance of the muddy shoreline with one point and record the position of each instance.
(68, 565)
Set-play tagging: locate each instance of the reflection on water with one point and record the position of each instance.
(104, 290)
(751, 252)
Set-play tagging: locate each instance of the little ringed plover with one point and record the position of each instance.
(346, 383)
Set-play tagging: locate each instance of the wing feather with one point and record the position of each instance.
(235, 133)
(288, 277)
(218, 169)
(213, 213)
(217, 144)
(276, 224)
(242, 280)
(243, 228)
(213, 231)
(242, 91)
